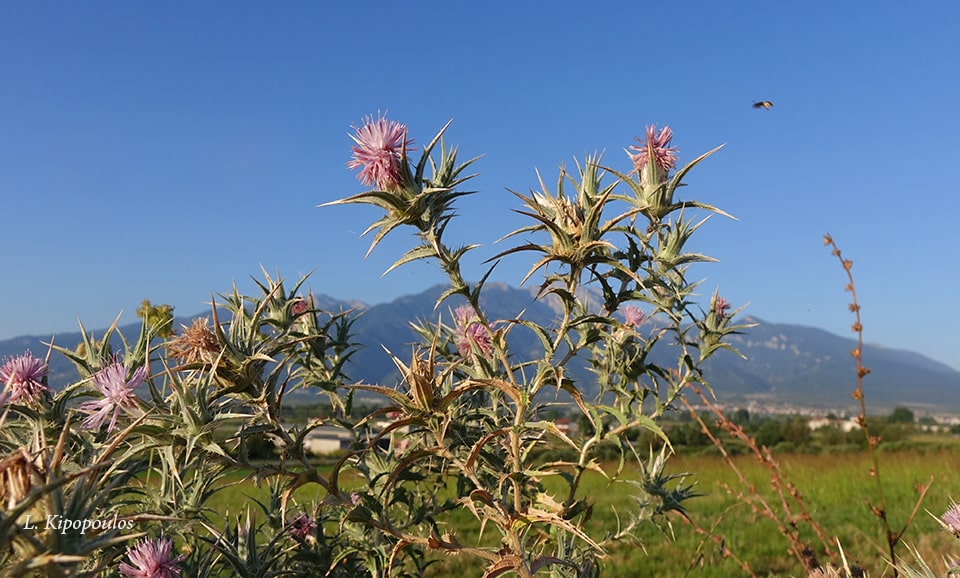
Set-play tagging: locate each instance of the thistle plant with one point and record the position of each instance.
(472, 412)
(24, 379)
(152, 559)
(114, 474)
(133, 456)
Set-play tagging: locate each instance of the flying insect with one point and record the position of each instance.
(764, 104)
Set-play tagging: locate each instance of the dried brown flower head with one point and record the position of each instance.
(18, 475)
(196, 344)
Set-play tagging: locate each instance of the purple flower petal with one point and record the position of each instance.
(633, 316)
(22, 378)
(721, 307)
(951, 519)
(656, 147)
(381, 144)
(119, 395)
(303, 526)
(151, 559)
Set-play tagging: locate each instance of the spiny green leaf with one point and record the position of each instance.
(418, 252)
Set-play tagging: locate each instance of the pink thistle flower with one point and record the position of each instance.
(381, 144)
(633, 316)
(118, 395)
(721, 307)
(23, 378)
(303, 526)
(479, 336)
(657, 148)
(299, 307)
(470, 332)
(151, 559)
(951, 519)
(463, 314)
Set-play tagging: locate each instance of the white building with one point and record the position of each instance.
(845, 425)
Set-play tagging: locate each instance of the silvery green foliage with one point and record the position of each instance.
(184, 440)
(466, 431)
(471, 412)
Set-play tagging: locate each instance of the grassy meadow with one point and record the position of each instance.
(835, 487)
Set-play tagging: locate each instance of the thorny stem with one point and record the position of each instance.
(451, 265)
(581, 466)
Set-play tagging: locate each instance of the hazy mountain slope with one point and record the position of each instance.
(786, 363)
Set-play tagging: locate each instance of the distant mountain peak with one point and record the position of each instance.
(793, 363)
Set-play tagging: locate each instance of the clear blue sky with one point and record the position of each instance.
(164, 150)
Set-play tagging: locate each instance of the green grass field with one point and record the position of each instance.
(835, 487)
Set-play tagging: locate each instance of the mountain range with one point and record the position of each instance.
(786, 364)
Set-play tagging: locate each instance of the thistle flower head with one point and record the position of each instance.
(471, 333)
(950, 520)
(633, 316)
(118, 395)
(151, 559)
(19, 474)
(721, 307)
(478, 335)
(303, 526)
(299, 307)
(656, 148)
(22, 379)
(380, 145)
(195, 344)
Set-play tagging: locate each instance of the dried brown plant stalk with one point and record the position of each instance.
(789, 524)
(879, 509)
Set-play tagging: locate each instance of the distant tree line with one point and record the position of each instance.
(781, 433)
(786, 433)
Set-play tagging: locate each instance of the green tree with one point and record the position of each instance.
(741, 416)
(769, 433)
(796, 431)
(901, 415)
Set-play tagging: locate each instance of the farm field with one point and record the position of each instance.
(835, 488)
